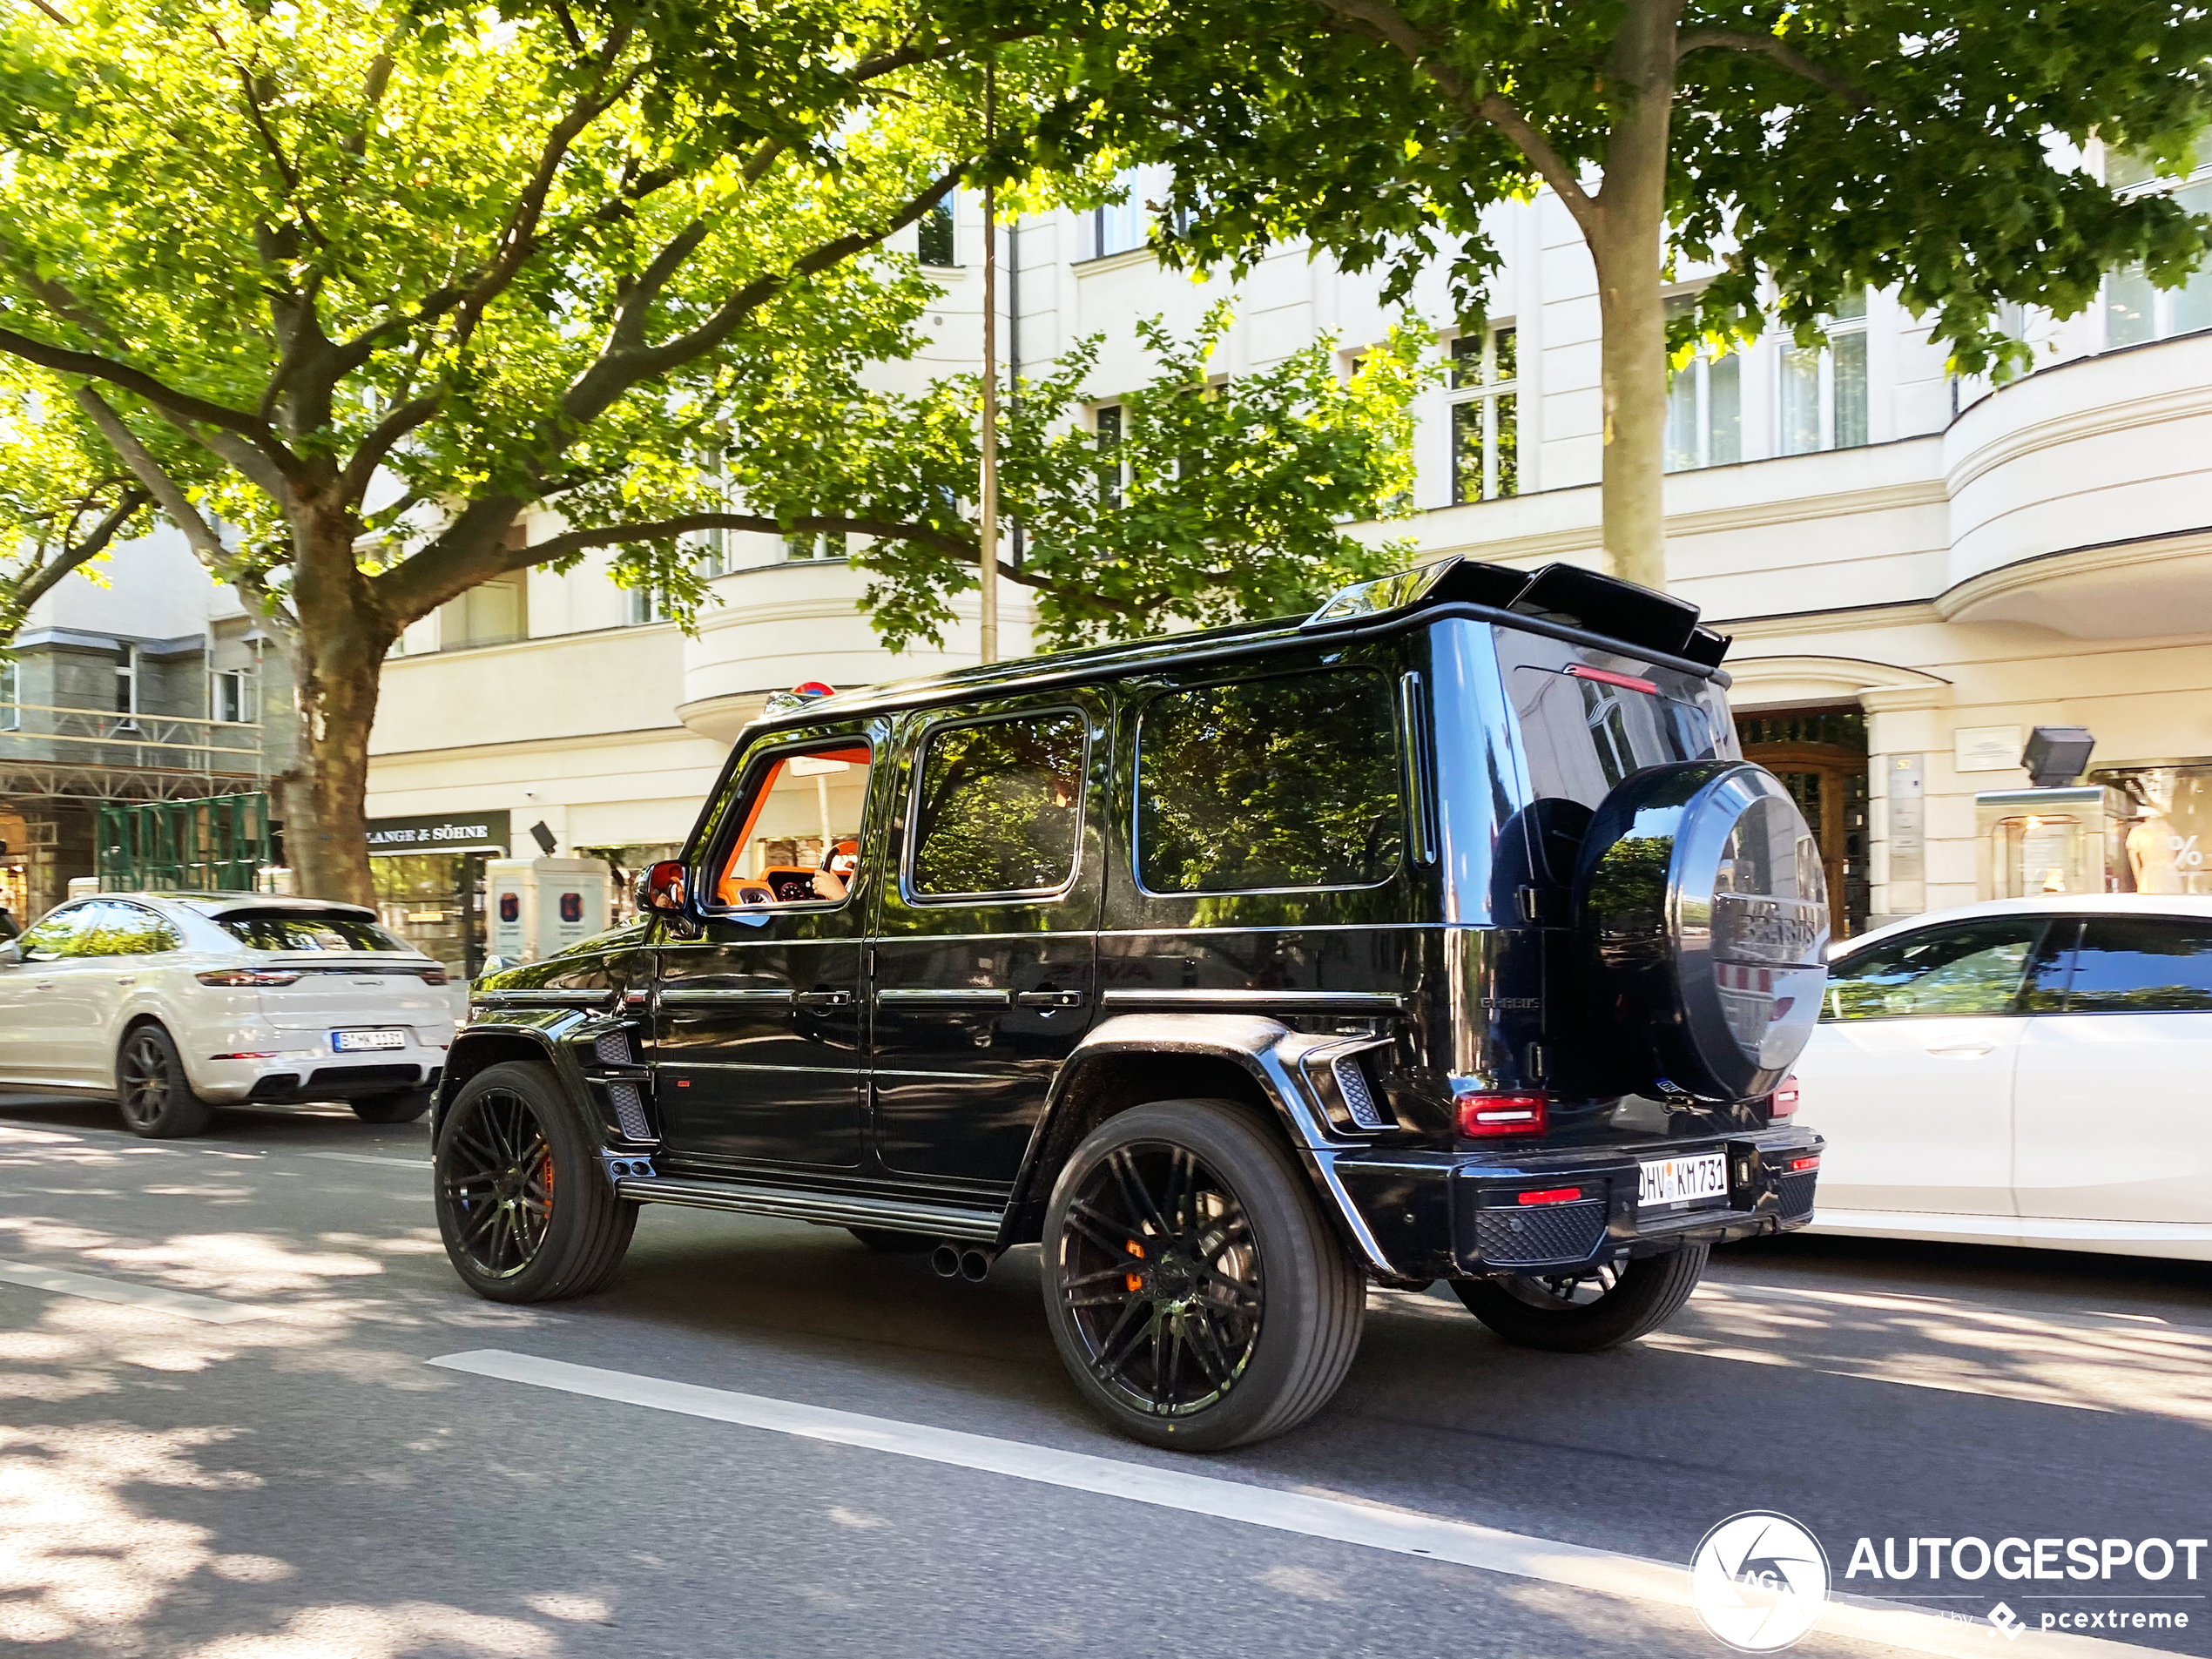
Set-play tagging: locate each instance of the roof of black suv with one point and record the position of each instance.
(1562, 601)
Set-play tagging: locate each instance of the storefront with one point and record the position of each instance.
(430, 876)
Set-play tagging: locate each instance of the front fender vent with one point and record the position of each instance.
(630, 1111)
(613, 1048)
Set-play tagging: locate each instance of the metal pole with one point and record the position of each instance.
(987, 536)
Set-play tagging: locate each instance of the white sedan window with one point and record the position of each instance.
(1974, 968)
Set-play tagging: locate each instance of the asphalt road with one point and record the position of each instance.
(270, 1468)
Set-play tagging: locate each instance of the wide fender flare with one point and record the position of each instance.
(549, 1034)
(1267, 1050)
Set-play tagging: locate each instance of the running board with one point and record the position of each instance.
(833, 1209)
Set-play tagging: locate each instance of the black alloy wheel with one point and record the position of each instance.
(151, 1089)
(1195, 1292)
(1590, 1309)
(526, 1214)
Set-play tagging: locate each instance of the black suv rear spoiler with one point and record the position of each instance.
(1565, 596)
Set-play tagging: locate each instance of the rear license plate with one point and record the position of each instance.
(1678, 1180)
(348, 1042)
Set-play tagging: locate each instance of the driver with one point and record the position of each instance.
(835, 876)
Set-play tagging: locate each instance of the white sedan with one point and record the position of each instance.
(176, 1002)
(2034, 1071)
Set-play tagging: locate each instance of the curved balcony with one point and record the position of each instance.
(780, 625)
(2082, 496)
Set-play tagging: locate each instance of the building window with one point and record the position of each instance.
(126, 686)
(11, 710)
(1485, 393)
(936, 242)
(814, 545)
(490, 613)
(1824, 388)
(2134, 311)
(229, 696)
(1122, 227)
(1704, 405)
(1113, 471)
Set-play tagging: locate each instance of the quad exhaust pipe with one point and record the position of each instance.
(970, 1262)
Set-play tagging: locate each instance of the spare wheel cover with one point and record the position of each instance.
(1703, 911)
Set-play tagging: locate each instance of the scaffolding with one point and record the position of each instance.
(219, 844)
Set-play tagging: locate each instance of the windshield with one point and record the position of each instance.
(276, 930)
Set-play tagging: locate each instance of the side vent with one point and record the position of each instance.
(613, 1049)
(1358, 1098)
(630, 1109)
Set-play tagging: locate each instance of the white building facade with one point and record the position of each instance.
(1917, 570)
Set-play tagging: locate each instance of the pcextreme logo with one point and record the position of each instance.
(1758, 1580)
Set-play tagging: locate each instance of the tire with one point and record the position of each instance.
(1648, 1291)
(403, 1107)
(1244, 1325)
(887, 1241)
(151, 1089)
(525, 1212)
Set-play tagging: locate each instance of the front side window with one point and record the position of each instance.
(798, 841)
(1971, 967)
(1270, 784)
(272, 930)
(998, 807)
(47, 940)
(2141, 965)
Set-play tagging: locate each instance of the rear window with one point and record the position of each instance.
(1268, 784)
(1584, 735)
(273, 930)
(2141, 965)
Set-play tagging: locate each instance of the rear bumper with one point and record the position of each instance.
(1459, 1215)
(290, 1083)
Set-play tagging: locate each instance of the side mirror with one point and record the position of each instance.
(10, 953)
(663, 891)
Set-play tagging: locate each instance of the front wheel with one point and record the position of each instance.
(1585, 1311)
(525, 1212)
(151, 1089)
(1194, 1288)
(402, 1107)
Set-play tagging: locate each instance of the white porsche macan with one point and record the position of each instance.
(178, 1002)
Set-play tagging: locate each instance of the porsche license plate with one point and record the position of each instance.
(1679, 1181)
(351, 1041)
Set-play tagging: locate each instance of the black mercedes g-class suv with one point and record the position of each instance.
(1442, 934)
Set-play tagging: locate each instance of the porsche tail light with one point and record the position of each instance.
(1482, 1116)
(245, 976)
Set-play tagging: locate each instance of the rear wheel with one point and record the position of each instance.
(525, 1212)
(1194, 1291)
(402, 1107)
(1583, 1312)
(151, 1089)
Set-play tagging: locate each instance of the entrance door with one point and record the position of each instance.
(985, 943)
(2114, 1122)
(1820, 755)
(1910, 1073)
(757, 1050)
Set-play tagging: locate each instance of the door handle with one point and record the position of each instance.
(44, 985)
(823, 999)
(1048, 999)
(1973, 1050)
(127, 979)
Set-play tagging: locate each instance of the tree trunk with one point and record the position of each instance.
(1626, 245)
(339, 660)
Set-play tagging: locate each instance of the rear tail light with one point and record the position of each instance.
(245, 976)
(1798, 1165)
(1783, 1102)
(243, 1056)
(1487, 1114)
(434, 976)
(1550, 1195)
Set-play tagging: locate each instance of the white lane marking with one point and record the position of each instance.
(1370, 1526)
(364, 1157)
(205, 1309)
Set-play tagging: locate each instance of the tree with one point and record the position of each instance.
(1812, 147)
(347, 287)
(1210, 504)
(65, 498)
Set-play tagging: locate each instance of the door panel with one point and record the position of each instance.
(985, 945)
(30, 1050)
(757, 1048)
(2114, 1120)
(1910, 1073)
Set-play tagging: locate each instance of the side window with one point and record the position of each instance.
(1269, 784)
(1969, 967)
(2141, 965)
(798, 837)
(110, 927)
(1584, 733)
(998, 807)
(48, 940)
